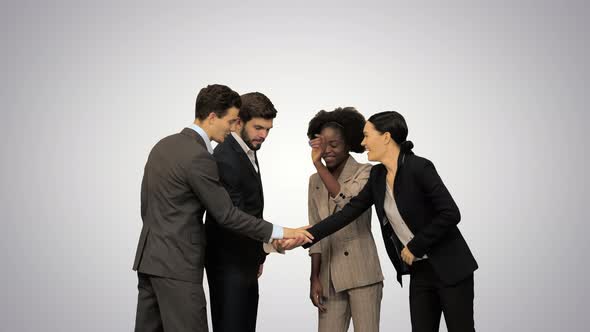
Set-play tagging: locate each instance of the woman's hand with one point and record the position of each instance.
(407, 256)
(315, 294)
(318, 147)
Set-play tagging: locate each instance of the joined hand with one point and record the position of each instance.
(295, 237)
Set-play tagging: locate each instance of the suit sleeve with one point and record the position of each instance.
(314, 218)
(357, 205)
(144, 194)
(353, 187)
(446, 212)
(203, 178)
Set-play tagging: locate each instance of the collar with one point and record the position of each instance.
(350, 168)
(204, 135)
(242, 144)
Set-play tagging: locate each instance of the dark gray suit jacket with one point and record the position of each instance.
(180, 183)
(244, 186)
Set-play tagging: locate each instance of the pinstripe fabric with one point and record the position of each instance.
(363, 304)
(349, 256)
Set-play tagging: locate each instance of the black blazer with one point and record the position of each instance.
(426, 207)
(179, 183)
(244, 186)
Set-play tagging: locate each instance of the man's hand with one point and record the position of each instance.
(315, 294)
(278, 246)
(318, 147)
(289, 244)
(407, 256)
(297, 236)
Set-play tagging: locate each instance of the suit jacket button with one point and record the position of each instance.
(346, 253)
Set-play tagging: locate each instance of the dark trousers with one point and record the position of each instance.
(170, 305)
(429, 297)
(233, 292)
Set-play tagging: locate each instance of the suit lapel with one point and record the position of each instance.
(243, 156)
(379, 192)
(349, 170)
(259, 178)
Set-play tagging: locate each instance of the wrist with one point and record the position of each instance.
(318, 163)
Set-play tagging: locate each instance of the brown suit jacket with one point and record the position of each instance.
(349, 256)
(180, 183)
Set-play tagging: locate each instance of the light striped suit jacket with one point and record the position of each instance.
(349, 256)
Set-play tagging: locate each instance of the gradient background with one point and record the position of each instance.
(496, 94)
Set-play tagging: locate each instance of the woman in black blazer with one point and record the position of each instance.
(418, 219)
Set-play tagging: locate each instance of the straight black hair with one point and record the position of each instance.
(393, 123)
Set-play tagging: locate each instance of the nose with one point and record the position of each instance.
(364, 143)
(263, 133)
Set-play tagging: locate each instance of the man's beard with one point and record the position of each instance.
(247, 140)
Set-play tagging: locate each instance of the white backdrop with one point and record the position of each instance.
(494, 94)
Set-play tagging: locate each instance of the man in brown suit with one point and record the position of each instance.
(180, 183)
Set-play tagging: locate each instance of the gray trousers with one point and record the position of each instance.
(170, 305)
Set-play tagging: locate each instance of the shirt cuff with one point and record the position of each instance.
(277, 233)
(340, 198)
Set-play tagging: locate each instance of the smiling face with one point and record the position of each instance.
(336, 149)
(255, 131)
(374, 142)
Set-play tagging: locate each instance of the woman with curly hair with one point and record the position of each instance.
(418, 219)
(346, 278)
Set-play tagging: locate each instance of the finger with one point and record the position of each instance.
(321, 306)
(304, 235)
(303, 239)
(290, 245)
(406, 258)
(315, 141)
(299, 242)
(315, 300)
(307, 234)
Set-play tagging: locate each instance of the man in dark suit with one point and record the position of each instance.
(180, 183)
(233, 261)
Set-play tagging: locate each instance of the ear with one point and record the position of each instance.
(386, 137)
(211, 116)
(238, 125)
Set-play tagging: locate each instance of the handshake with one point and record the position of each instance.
(292, 238)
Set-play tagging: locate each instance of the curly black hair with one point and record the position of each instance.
(348, 120)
